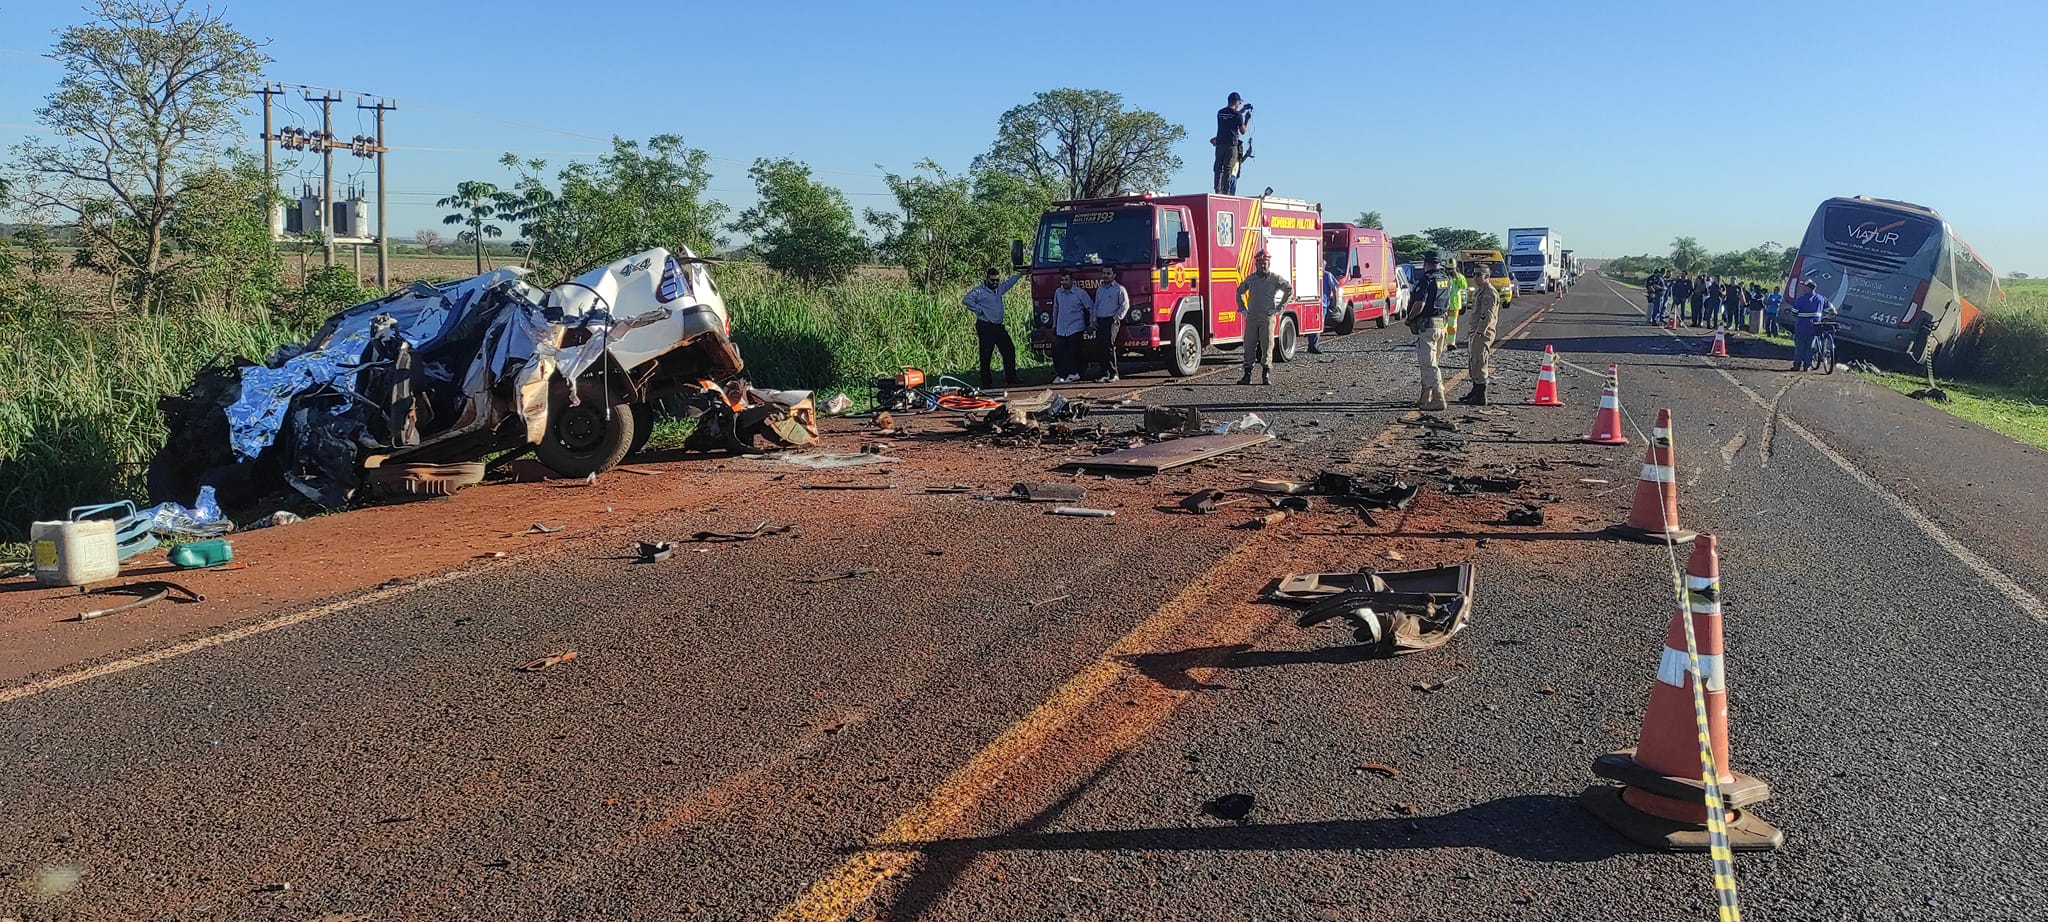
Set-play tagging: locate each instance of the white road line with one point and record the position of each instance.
(2006, 585)
(62, 680)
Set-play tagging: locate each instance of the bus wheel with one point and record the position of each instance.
(1348, 320)
(1186, 358)
(1285, 341)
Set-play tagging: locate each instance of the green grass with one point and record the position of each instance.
(2000, 409)
(78, 414)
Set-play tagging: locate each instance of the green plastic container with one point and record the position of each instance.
(202, 554)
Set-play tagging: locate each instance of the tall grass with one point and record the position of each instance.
(78, 398)
(78, 413)
(2009, 346)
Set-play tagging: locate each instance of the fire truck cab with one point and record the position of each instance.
(1180, 258)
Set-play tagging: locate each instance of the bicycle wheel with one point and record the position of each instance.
(1825, 359)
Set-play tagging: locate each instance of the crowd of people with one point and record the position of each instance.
(1713, 302)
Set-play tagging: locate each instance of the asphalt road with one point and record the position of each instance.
(1018, 716)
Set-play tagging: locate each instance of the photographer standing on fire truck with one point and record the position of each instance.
(1232, 121)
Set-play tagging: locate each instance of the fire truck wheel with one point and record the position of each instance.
(1284, 341)
(1186, 358)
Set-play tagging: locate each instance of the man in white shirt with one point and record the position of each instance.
(1111, 303)
(986, 302)
(1072, 309)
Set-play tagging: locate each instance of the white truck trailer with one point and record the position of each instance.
(1535, 259)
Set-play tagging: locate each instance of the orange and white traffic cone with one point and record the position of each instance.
(1664, 803)
(1546, 382)
(1720, 345)
(1607, 422)
(1653, 517)
(1671, 319)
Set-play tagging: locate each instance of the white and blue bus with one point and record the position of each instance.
(1903, 280)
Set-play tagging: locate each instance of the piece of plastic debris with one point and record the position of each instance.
(203, 519)
(838, 404)
(548, 662)
(280, 517)
(654, 551)
(197, 554)
(1245, 423)
(1396, 555)
(591, 480)
(1083, 513)
(539, 529)
(1280, 486)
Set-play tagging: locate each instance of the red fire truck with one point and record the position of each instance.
(1368, 285)
(1180, 257)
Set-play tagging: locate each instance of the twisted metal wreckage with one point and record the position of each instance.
(413, 389)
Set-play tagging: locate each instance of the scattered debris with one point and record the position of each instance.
(883, 421)
(1236, 808)
(1268, 520)
(280, 517)
(654, 551)
(1084, 513)
(1291, 503)
(728, 537)
(1393, 611)
(956, 488)
(819, 461)
(1386, 770)
(637, 472)
(1595, 481)
(1436, 423)
(1203, 502)
(1164, 456)
(1389, 493)
(855, 573)
(1246, 423)
(1049, 492)
(1184, 420)
(548, 662)
(146, 592)
(1041, 603)
(1395, 555)
(1472, 485)
(1525, 515)
(849, 486)
(838, 405)
(539, 529)
(1281, 486)
(1432, 686)
(198, 555)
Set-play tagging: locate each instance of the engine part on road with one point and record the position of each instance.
(1393, 612)
(1680, 792)
(1607, 420)
(1184, 420)
(1653, 516)
(1389, 493)
(1165, 456)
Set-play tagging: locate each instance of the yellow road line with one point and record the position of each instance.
(835, 896)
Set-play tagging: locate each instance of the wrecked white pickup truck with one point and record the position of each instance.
(433, 377)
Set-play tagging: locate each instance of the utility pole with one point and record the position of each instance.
(326, 101)
(383, 238)
(269, 169)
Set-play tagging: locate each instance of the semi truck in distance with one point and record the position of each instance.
(1535, 259)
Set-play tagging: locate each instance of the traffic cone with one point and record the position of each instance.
(1671, 319)
(1607, 422)
(1546, 382)
(1664, 801)
(1720, 346)
(1653, 517)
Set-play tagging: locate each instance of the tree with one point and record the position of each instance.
(950, 228)
(1084, 144)
(150, 97)
(1455, 238)
(1687, 255)
(802, 228)
(221, 228)
(633, 198)
(34, 240)
(1370, 219)
(1410, 248)
(475, 203)
(429, 240)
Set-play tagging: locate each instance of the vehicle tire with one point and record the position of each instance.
(589, 437)
(1386, 315)
(1186, 356)
(643, 427)
(1349, 322)
(1285, 341)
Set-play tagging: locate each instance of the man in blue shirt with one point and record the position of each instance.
(1426, 321)
(1807, 310)
(1111, 303)
(986, 302)
(1071, 310)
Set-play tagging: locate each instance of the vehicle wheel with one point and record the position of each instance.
(589, 437)
(643, 427)
(1349, 322)
(1285, 341)
(1386, 315)
(1186, 358)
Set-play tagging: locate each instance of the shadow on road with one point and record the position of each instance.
(1171, 669)
(1549, 828)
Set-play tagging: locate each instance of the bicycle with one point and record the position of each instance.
(1824, 345)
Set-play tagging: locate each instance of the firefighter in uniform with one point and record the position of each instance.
(1480, 320)
(1259, 297)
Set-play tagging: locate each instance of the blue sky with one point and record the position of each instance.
(1622, 125)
